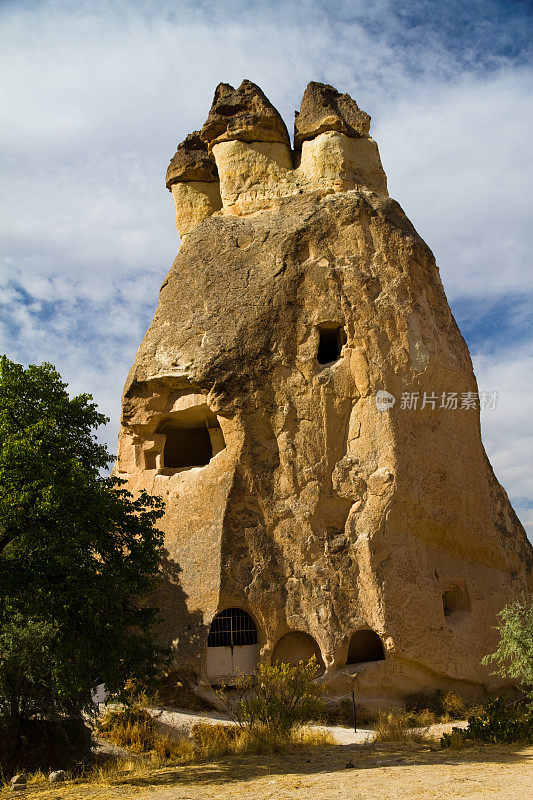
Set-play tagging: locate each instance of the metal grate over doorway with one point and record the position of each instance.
(232, 627)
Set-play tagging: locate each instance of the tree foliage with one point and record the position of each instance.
(500, 720)
(77, 551)
(514, 654)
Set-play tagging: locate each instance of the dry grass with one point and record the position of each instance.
(379, 772)
(135, 729)
(212, 741)
(341, 713)
(207, 743)
(399, 726)
(421, 707)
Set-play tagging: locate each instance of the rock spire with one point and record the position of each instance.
(306, 405)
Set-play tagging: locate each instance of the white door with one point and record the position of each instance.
(229, 662)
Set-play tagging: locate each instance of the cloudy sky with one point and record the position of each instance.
(97, 94)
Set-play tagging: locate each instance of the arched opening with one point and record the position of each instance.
(454, 599)
(365, 645)
(297, 646)
(231, 644)
(330, 342)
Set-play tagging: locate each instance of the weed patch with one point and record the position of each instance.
(213, 741)
(400, 726)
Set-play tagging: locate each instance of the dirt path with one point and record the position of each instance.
(343, 772)
(179, 722)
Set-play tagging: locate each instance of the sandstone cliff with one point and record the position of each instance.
(294, 493)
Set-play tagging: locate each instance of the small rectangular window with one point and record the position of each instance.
(331, 341)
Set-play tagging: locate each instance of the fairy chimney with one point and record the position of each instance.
(305, 404)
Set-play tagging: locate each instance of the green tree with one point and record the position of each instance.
(514, 654)
(77, 554)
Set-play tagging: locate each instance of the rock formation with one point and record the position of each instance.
(305, 404)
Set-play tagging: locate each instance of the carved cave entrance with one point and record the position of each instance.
(231, 645)
(186, 447)
(365, 645)
(297, 646)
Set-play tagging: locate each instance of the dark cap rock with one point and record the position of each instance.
(191, 162)
(325, 109)
(245, 114)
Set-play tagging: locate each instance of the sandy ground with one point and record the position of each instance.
(353, 769)
(350, 772)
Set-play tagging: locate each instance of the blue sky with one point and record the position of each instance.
(96, 95)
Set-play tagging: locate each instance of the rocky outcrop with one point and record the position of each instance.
(249, 143)
(243, 114)
(291, 403)
(324, 109)
(191, 162)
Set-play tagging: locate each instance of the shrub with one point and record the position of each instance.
(454, 706)
(276, 699)
(514, 654)
(399, 725)
(269, 713)
(497, 722)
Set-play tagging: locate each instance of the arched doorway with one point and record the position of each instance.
(365, 645)
(231, 645)
(297, 646)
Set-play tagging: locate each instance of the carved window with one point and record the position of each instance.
(454, 598)
(330, 343)
(190, 438)
(186, 447)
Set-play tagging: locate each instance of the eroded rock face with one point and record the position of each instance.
(294, 491)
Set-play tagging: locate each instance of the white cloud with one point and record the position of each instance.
(99, 94)
(457, 158)
(507, 430)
